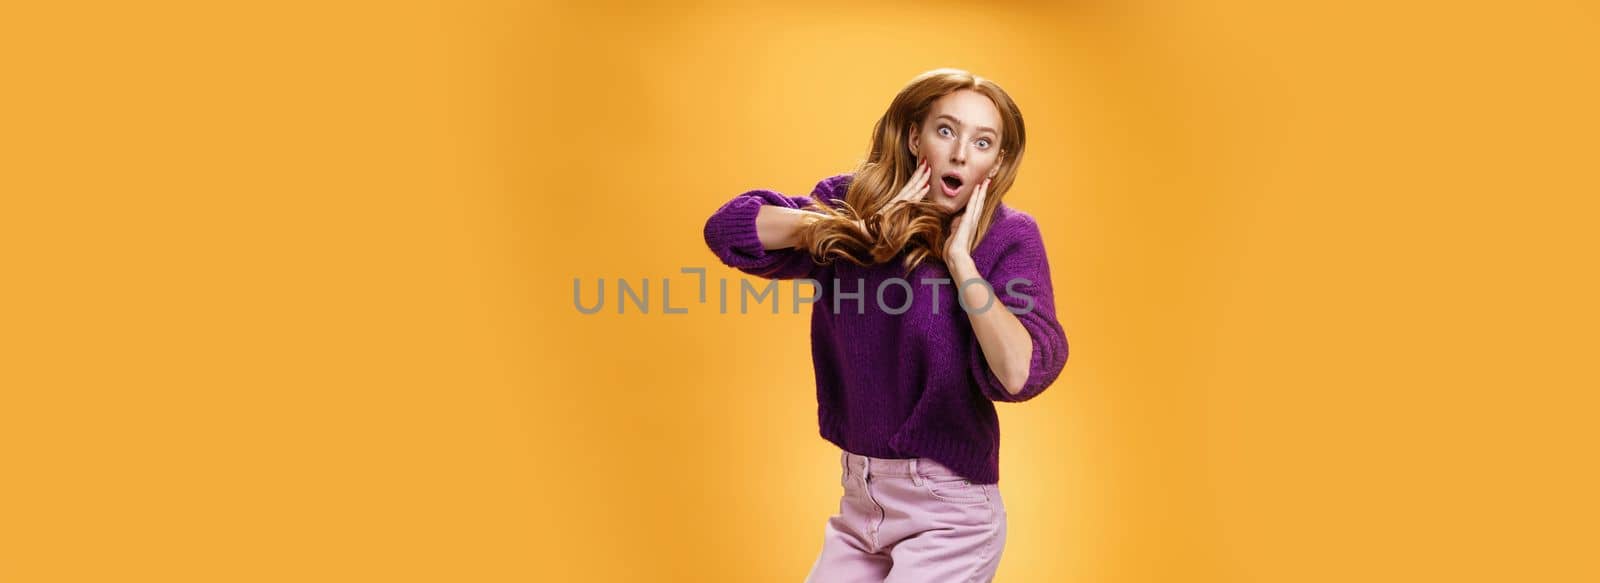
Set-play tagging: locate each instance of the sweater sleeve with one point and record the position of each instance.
(1021, 280)
(730, 232)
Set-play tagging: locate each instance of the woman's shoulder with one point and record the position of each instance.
(1011, 224)
(1013, 242)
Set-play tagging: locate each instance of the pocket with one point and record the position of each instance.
(844, 470)
(957, 489)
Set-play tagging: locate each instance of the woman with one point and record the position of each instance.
(910, 354)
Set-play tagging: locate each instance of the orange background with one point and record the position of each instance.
(288, 287)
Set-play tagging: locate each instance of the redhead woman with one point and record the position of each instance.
(933, 300)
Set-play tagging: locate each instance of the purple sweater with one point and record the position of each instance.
(907, 381)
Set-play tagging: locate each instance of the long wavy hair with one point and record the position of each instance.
(861, 230)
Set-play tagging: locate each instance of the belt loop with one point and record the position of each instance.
(916, 477)
(866, 467)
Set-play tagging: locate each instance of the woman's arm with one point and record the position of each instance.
(1007, 346)
(1018, 346)
(777, 226)
(755, 231)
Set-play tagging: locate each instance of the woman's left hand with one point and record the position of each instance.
(957, 248)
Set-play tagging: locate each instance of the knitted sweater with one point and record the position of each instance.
(913, 382)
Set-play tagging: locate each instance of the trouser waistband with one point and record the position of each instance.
(916, 468)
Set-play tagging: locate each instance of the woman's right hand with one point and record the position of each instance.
(916, 189)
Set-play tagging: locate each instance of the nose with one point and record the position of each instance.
(959, 154)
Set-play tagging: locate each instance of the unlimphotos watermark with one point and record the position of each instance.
(747, 291)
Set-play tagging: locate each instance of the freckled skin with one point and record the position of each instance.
(959, 146)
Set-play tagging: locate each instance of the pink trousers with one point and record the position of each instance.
(910, 521)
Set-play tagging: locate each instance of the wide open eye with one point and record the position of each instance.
(945, 131)
(984, 141)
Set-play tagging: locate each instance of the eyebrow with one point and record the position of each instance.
(958, 122)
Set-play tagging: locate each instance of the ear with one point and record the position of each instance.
(914, 139)
(998, 162)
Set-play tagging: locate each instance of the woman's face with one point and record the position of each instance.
(960, 139)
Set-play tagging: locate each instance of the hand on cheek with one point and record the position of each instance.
(962, 229)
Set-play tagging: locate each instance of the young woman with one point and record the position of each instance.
(933, 300)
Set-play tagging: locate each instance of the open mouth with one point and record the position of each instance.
(951, 183)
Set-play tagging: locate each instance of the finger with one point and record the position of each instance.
(974, 209)
(904, 191)
(958, 231)
(975, 206)
(909, 192)
(917, 188)
(979, 197)
(911, 185)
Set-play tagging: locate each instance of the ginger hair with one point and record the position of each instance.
(860, 230)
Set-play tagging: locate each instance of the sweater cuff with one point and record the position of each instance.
(731, 231)
(1045, 362)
